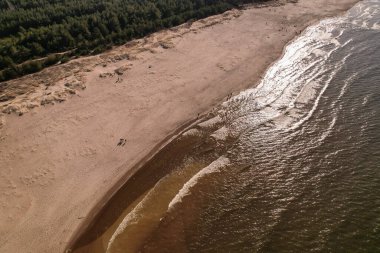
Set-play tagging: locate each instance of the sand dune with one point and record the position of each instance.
(61, 158)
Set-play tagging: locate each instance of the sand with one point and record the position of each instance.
(61, 160)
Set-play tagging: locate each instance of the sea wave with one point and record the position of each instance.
(215, 166)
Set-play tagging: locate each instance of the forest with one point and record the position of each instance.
(38, 33)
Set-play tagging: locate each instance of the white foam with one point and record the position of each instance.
(316, 103)
(214, 167)
(191, 132)
(287, 80)
(132, 217)
(365, 99)
(376, 26)
(211, 122)
(221, 134)
(347, 82)
(328, 131)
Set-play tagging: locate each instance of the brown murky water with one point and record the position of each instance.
(292, 165)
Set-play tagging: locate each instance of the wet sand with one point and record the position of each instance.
(192, 148)
(61, 163)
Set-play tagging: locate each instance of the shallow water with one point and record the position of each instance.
(292, 165)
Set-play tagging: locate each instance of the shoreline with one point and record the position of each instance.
(96, 210)
(178, 132)
(123, 171)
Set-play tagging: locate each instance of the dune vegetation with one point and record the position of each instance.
(39, 33)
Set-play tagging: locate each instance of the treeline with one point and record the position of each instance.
(33, 29)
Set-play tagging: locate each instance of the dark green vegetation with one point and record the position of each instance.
(38, 33)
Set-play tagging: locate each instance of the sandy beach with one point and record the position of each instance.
(73, 133)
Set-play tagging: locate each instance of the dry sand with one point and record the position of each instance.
(57, 162)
